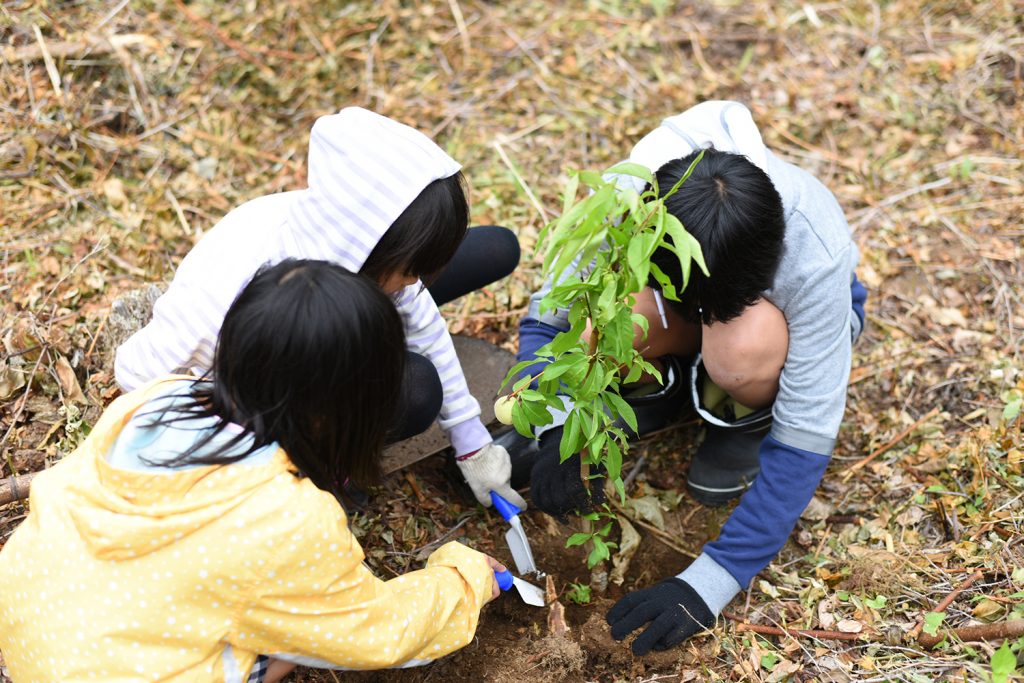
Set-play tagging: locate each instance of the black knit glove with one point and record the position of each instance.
(556, 487)
(674, 609)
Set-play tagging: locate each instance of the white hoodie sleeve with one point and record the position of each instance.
(181, 336)
(427, 334)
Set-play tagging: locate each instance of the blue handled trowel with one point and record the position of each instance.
(530, 594)
(516, 537)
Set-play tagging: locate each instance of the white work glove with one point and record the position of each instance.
(489, 469)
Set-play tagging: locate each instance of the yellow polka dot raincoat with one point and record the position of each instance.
(189, 574)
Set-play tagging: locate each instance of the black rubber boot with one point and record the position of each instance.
(726, 463)
(658, 409)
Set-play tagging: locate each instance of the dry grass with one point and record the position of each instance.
(127, 129)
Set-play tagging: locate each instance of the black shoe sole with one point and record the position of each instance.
(712, 497)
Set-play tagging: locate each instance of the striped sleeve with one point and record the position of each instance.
(427, 334)
(182, 336)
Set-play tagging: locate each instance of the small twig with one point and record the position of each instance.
(522, 183)
(797, 632)
(460, 22)
(440, 540)
(640, 462)
(16, 488)
(92, 45)
(662, 536)
(415, 486)
(889, 444)
(51, 67)
(96, 337)
(971, 634)
(948, 600)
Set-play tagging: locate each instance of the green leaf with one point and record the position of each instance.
(877, 603)
(621, 409)
(932, 621)
(578, 593)
(634, 374)
(667, 288)
(590, 422)
(1004, 664)
(537, 414)
(565, 341)
(563, 365)
(592, 178)
(570, 193)
(577, 539)
(636, 170)
(1012, 410)
(522, 383)
(520, 420)
(697, 254)
(599, 553)
(513, 374)
(686, 175)
(620, 487)
(571, 437)
(769, 660)
(682, 246)
(613, 460)
(606, 302)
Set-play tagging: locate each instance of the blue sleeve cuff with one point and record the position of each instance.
(767, 513)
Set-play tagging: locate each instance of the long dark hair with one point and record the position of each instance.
(310, 356)
(424, 238)
(734, 211)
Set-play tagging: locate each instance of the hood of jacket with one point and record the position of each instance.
(725, 125)
(364, 170)
(123, 513)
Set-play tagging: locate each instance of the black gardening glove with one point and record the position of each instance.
(557, 487)
(674, 609)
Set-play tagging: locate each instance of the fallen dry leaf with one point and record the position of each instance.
(849, 626)
(629, 542)
(11, 380)
(69, 382)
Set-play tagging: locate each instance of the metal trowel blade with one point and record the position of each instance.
(519, 546)
(531, 595)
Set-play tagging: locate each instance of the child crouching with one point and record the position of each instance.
(199, 528)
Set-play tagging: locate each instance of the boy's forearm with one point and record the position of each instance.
(762, 522)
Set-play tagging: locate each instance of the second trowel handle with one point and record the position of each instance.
(505, 579)
(506, 509)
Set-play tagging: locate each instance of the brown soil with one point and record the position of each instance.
(515, 634)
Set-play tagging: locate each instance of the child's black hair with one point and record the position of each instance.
(424, 238)
(309, 356)
(731, 207)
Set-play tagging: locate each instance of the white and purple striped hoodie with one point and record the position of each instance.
(364, 171)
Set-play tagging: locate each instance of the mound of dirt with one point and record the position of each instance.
(613, 656)
(129, 313)
(552, 658)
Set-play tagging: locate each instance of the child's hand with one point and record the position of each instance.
(489, 469)
(495, 567)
